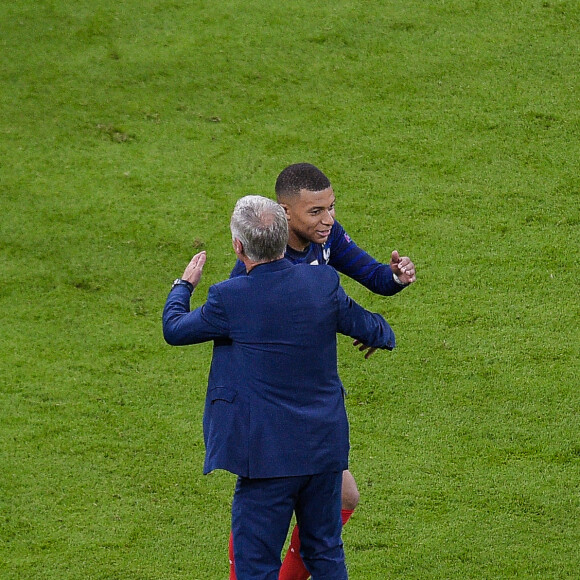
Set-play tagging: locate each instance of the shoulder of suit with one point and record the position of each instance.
(235, 282)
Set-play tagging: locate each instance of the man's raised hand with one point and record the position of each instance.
(194, 269)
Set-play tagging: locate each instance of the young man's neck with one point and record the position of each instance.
(297, 244)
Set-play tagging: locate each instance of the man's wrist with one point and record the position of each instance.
(398, 280)
(182, 282)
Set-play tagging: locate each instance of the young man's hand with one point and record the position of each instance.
(403, 268)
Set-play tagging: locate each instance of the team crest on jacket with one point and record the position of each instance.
(326, 254)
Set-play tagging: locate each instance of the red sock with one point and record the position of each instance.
(345, 515)
(231, 557)
(293, 568)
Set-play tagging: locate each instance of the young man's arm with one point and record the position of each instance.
(349, 259)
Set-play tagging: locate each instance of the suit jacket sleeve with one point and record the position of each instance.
(182, 326)
(369, 328)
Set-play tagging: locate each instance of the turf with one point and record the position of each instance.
(450, 132)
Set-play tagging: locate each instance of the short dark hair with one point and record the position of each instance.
(300, 176)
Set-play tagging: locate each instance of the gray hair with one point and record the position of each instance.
(261, 225)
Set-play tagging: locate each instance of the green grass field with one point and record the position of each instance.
(451, 132)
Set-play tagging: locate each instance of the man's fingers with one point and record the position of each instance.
(362, 347)
(201, 258)
(406, 270)
(198, 261)
(194, 269)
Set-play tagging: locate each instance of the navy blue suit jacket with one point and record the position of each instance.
(275, 403)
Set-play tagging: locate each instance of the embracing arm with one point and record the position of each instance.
(349, 259)
(367, 328)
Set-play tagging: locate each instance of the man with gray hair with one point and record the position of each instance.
(274, 412)
(260, 227)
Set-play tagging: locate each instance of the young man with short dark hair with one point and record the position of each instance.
(315, 237)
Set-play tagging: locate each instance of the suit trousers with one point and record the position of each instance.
(261, 515)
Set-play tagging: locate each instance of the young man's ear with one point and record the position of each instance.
(286, 209)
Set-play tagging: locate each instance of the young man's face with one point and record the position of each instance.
(310, 217)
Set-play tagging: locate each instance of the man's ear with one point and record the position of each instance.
(286, 209)
(238, 247)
